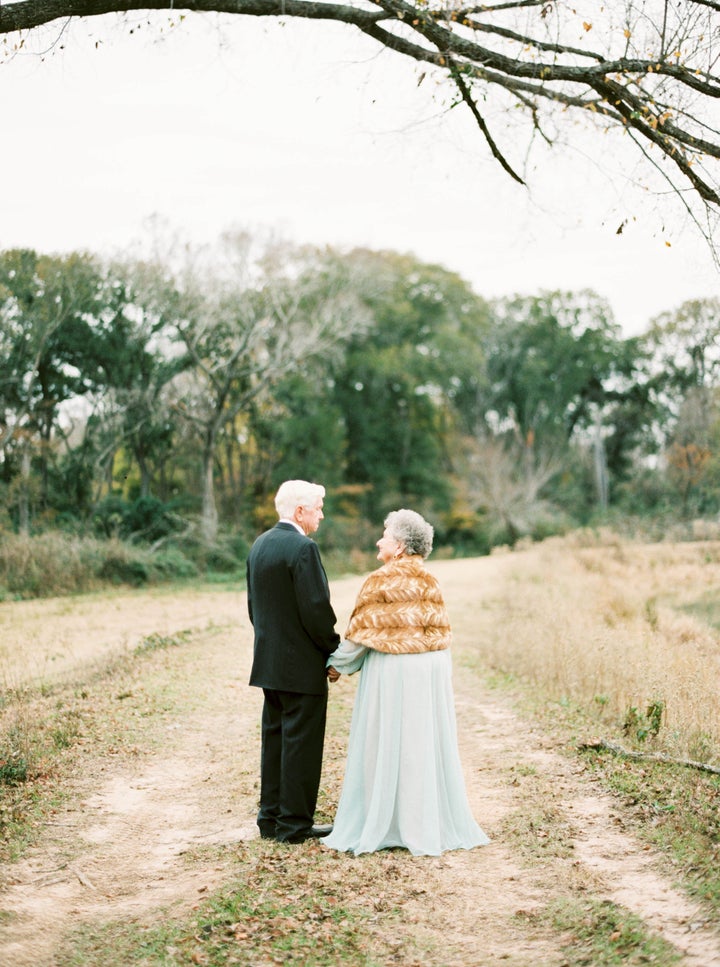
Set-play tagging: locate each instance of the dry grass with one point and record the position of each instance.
(66, 639)
(601, 625)
(541, 614)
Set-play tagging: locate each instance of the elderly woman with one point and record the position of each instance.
(403, 784)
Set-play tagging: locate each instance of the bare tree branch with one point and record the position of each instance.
(467, 97)
(648, 67)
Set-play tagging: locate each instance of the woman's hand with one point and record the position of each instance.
(333, 674)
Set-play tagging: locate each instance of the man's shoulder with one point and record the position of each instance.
(279, 529)
(284, 534)
(283, 531)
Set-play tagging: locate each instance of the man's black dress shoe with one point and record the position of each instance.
(315, 832)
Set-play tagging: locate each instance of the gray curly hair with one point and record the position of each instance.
(411, 529)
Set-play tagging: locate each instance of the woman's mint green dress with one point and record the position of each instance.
(404, 784)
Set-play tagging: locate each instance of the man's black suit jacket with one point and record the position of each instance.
(289, 607)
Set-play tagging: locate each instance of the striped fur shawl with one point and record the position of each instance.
(400, 610)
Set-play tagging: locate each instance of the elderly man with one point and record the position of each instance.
(289, 606)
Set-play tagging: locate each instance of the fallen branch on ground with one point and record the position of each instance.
(603, 744)
(83, 879)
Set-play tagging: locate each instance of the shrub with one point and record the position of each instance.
(45, 565)
(54, 563)
(226, 555)
(149, 519)
(171, 563)
(145, 519)
(222, 561)
(17, 741)
(108, 516)
(122, 568)
(13, 769)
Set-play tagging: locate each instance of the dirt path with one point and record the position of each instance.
(128, 840)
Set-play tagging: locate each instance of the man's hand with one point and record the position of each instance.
(333, 674)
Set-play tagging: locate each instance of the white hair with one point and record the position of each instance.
(297, 493)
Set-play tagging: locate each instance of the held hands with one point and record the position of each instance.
(333, 674)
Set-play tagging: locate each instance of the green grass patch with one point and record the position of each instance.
(39, 732)
(32, 729)
(599, 933)
(705, 609)
(156, 641)
(13, 766)
(302, 906)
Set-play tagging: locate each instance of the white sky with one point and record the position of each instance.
(322, 136)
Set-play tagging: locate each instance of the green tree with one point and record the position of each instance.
(247, 320)
(138, 354)
(552, 360)
(558, 370)
(299, 431)
(683, 347)
(48, 306)
(399, 384)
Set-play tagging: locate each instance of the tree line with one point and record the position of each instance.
(162, 399)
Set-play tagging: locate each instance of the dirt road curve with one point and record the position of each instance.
(121, 845)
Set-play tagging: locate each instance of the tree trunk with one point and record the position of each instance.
(24, 494)
(46, 417)
(209, 520)
(145, 477)
(601, 470)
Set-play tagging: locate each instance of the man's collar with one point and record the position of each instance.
(286, 520)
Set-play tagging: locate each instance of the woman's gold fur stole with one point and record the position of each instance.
(400, 610)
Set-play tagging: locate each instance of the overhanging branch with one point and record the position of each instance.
(468, 99)
(668, 102)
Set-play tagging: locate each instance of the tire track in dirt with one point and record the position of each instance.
(604, 861)
(120, 850)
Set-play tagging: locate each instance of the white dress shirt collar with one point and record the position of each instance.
(286, 520)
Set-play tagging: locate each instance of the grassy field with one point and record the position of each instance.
(610, 640)
(575, 640)
(621, 632)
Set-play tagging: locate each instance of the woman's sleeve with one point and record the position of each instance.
(348, 658)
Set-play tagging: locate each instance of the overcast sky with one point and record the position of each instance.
(309, 131)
